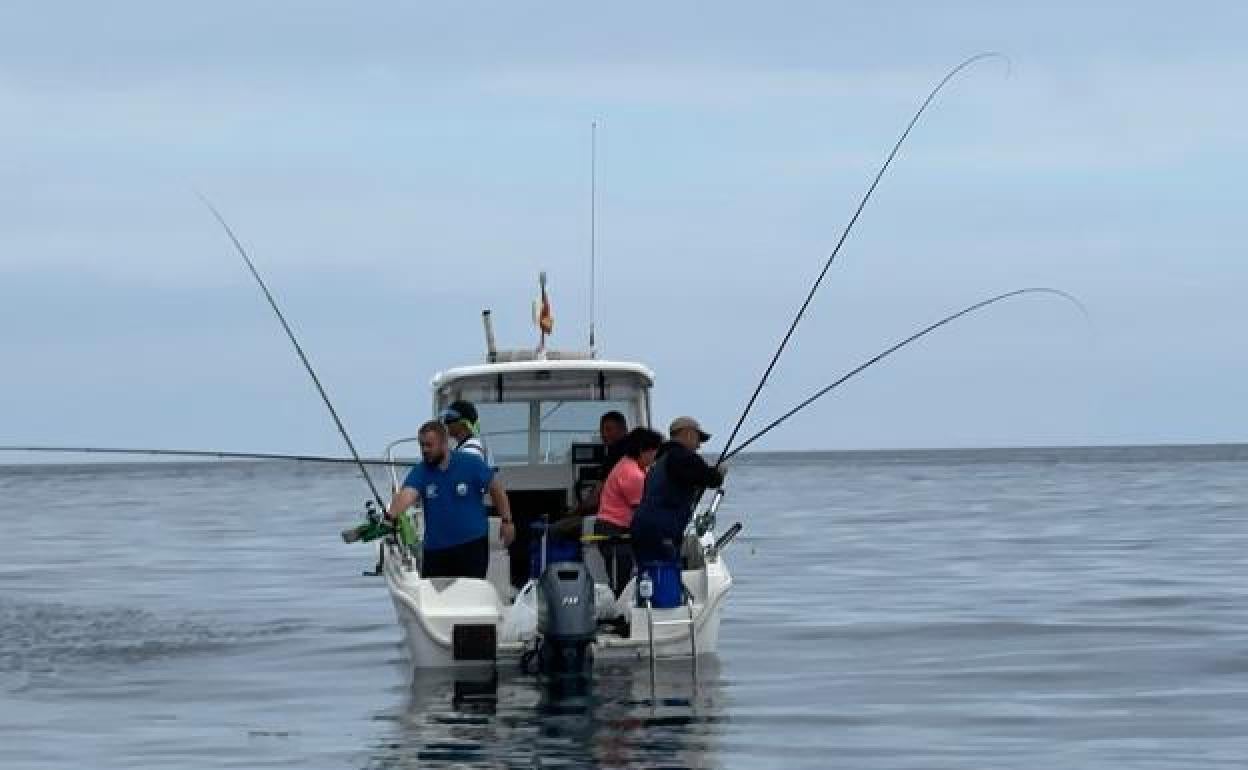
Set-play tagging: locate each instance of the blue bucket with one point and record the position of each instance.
(668, 590)
(556, 550)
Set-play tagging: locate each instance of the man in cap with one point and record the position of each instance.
(460, 419)
(673, 486)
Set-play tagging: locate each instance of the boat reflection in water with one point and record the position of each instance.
(485, 718)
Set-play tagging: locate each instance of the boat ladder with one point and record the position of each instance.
(689, 621)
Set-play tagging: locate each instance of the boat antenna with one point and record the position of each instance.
(898, 346)
(342, 430)
(801, 311)
(593, 234)
(205, 453)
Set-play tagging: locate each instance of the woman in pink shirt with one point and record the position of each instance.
(620, 495)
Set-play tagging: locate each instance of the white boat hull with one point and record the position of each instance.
(429, 609)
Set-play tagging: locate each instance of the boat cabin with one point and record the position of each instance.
(539, 419)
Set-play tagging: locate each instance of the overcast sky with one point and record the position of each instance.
(396, 167)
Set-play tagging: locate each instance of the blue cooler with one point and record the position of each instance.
(668, 590)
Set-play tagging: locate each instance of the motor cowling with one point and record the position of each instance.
(566, 618)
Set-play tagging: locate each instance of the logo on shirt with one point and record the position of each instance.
(461, 489)
(431, 491)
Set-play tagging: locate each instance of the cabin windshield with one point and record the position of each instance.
(506, 428)
(533, 417)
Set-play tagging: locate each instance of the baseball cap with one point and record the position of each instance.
(682, 423)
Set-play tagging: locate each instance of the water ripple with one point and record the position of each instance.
(1027, 609)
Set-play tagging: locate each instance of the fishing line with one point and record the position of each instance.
(210, 453)
(298, 349)
(893, 349)
(844, 235)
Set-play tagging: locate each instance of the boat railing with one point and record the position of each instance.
(418, 522)
(393, 468)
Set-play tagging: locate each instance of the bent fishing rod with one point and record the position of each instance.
(206, 453)
(898, 346)
(342, 430)
(784, 341)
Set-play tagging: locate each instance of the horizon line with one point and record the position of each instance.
(754, 453)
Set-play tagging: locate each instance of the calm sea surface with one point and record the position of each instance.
(1017, 609)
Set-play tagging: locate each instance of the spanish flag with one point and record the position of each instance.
(545, 320)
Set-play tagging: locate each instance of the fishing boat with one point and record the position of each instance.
(539, 414)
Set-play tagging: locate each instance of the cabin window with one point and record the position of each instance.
(564, 423)
(508, 427)
(505, 431)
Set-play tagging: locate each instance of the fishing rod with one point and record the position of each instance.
(784, 342)
(898, 346)
(209, 453)
(372, 487)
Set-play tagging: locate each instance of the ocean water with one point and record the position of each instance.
(990, 609)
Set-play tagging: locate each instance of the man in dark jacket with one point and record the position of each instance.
(673, 486)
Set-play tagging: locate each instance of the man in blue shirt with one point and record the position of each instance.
(451, 487)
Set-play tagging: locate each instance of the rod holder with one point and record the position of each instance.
(713, 552)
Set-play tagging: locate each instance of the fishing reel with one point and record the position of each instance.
(375, 527)
(705, 521)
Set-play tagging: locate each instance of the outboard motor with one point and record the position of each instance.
(566, 622)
